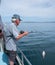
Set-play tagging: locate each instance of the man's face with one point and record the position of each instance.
(17, 22)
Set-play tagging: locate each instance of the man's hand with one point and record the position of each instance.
(21, 35)
(25, 33)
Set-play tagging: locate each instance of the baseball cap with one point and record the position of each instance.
(16, 16)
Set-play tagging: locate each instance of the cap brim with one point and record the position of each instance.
(13, 19)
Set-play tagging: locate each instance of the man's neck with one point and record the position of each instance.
(15, 24)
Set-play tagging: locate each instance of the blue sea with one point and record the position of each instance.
(41, 38)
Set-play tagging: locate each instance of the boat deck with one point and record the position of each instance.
(3, 58)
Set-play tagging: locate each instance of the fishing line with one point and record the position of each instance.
(37, 32)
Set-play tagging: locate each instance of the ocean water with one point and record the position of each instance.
(41, 38)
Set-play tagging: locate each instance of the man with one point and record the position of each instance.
(11, 35)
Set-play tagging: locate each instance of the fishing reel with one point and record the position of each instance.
(21, 32)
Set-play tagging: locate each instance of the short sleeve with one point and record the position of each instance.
(15, 31)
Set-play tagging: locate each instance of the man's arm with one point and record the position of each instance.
(17, 35)
(21, 35)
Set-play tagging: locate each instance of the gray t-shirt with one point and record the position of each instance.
(10, 33)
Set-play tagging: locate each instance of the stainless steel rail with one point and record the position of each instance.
(21, 60)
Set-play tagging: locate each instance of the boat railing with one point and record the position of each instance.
(23, 57)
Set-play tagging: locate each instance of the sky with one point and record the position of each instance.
(29, 10)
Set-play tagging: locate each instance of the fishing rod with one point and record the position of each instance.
(21, 32)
